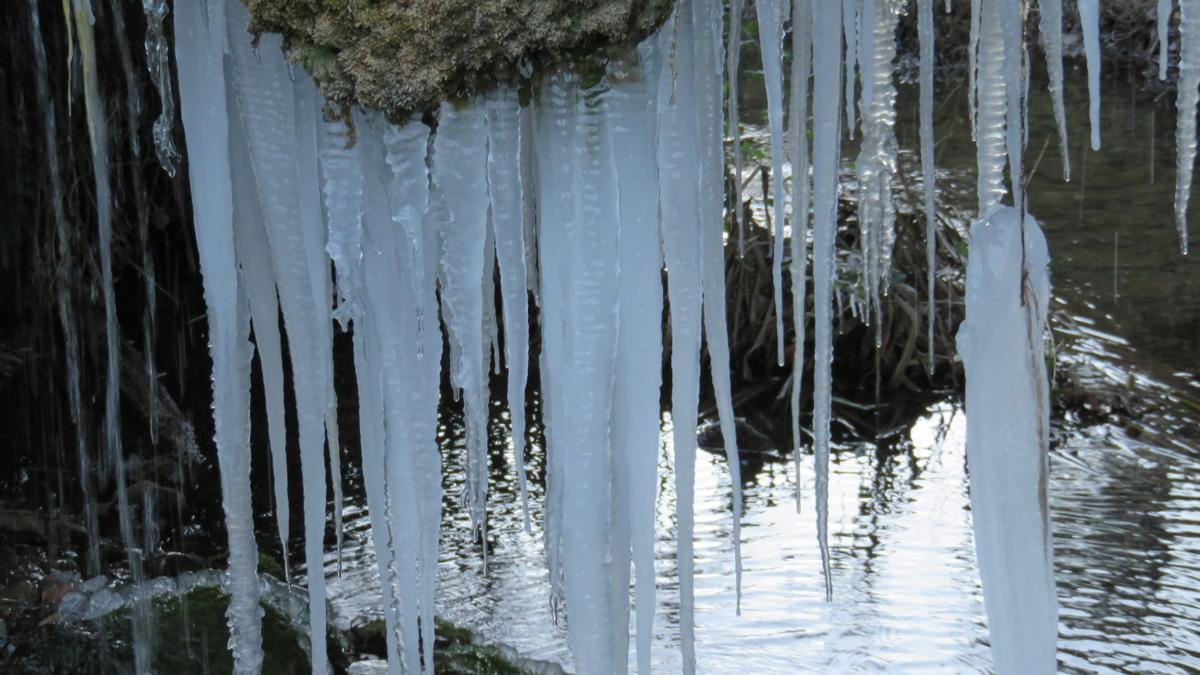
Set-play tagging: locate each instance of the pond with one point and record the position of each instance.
(1124, 496)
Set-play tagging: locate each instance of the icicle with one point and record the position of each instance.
(64, 283)
(1001, 342)
(312, 224)
(258, 275)
(265, 99)
(973, 66)
(770, 39)
(556, 218)
(1051, 29)
(1012, 26)
(491, 327)
(707, 18)
(158, 62)
(580, 285)
(505, 190)
(635, 419)
(850, 29)
(801, 69)
(826, 31)
(202, 94)
(1089, 19)
(876, 164)
(991, 139)
(420, 377)
(1188, 98)
(341, 171)
(678, 197)
(928, 168)
(460, 173)
(733, 58)
(1164, 38)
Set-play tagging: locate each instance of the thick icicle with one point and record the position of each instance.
(678, 197)
(928, 168)
(850, 29)
(770, 40)
(262, 81)
(826, 31)
(580, 295)
(801, 188)
(460, 173)
(733, 59)
(1089, 19)
(415, 394)
(973, 65)
(635, 418)
(1164, 38)
(258, 275)
(200, 41)
(1189, 97)
(158, 62)
(1001, 342)
(505, 190)
(1051, 30)
(707, 18)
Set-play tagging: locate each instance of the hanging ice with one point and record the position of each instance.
(876, 164)
(928, 168)
(1051, 30)
(990, 137)
(850, 19)
(770, 40)
(505, 190)
(801, 188)
(460, 173)
(200, 44)
(158, 62)
(1001, 343)
(1189, 97)
(1164, 37)
(733, 58)
(1089, 20)
(635, 433)
(826, 32)
(266, 103)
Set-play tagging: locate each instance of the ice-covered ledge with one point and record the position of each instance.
(402, 56)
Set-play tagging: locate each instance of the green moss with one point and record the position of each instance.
(192, 637)
(405, 57)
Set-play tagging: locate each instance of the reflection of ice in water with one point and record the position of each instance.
(906, 589)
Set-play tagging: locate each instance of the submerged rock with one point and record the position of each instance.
(409, 56)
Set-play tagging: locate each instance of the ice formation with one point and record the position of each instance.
(1001, 342)
(579, 198)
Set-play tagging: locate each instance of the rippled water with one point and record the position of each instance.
(1124, 492)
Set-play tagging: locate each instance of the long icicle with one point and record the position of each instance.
(678, 199)
(265, 100)
(733, 59)
(850, 28)
(1164, 38)
(770, 40)
(636, 390)
(505, 190)
(706, 16)
(1051, 29)
(826, 31)
(200, 45)
(1089, 20)
(1188, 98)
(801, 69)
(928, 168)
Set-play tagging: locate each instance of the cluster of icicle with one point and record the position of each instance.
(580, 199)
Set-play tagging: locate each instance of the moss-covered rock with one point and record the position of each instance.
(456, 651)
(405, 56)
